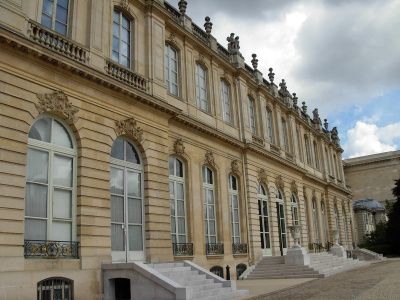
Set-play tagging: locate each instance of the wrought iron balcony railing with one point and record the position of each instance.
(50, 249)
(214, 249)
(316, 248)
(182, 249)
(239, 248)
(125, 75)
(57, 42)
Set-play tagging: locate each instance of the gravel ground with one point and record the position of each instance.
(380, 280)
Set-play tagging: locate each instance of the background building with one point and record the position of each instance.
(128, 133)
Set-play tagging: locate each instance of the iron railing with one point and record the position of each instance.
(214, 249)
(50, 249)
(350, 254)
(316, 248)
(239, 248)
(182, 249)
(328, 246)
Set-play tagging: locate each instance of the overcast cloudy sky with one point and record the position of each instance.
(341, 56)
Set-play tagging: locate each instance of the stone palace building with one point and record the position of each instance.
(129, 134)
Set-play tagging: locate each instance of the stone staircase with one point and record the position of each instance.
(328, 264)
(275, 268)
(365, 254)
(200, 283)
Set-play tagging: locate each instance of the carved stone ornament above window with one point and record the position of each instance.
(279, 182)
(262, 176)
(200, 58)
(304, 192)
(293, 187)
(171, 38)
(179, 148)
(125, 5)
(322, 196)
(235, 166)
(130, 128)
(57, 102)
(313, 193)
(210, 158)
(334, 200)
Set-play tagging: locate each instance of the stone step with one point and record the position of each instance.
(316, 275)
(285, 272)
(176, 269)
(211, 292)
(203, 287)
(228, 295)
(166, 265)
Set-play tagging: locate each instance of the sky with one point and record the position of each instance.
(340, 56)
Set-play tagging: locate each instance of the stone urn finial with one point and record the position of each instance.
(295, 232)
(295, 100)
(254, 61)
(208, 25)
(326, 124)
(304, 107)
(271, 75)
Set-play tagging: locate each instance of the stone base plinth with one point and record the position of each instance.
(297, 257)
(338, 251)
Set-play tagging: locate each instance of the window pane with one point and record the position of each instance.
(181, 208)
(117, 209)
(124, 61)
(179, 168)
(116, 16)
(41, 130)
(124, 49)
(115, 56)
(204, 173)
(117, 149)
(117, 237)
(116, 33)
(46, 21)
(125, 35)
(135, 238)
(116, 46)
(172, 205)
(131, 154)
(212, 228)
(135, 211)
(35, 229)
(48, 7)
(62, 204)
(37, 168)
(173, 225)
(236, 230)
(181, 226)
(211, 214)
(61, 14)
(125, 22)
(210, 197)
(235, 201)
(61, 231)
(209, 176)
(63, 3)
(133, 184)
(236, 215)
(60, 135)
(60, 28)
(171, 165)
(179, 191)
(62, 172)
(117, 181)
(171, 190)
(36, 200)
(182, 239)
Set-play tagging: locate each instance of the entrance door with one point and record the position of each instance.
(264, 221)
(126, 204)
(280, 210)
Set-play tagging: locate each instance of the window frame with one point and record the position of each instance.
(54, 17)
(315, 221)
(169, 71)
(200, 101)
(295, 210)
(120, 41)
(252, 116)
(284, 135)
(226, 102)
(317, 165)
(307, 150)
(63, 281)
(270, 127)
(206, 188)
(234, 192)
(52, 150)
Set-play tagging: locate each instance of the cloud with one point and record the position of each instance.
(366, 139)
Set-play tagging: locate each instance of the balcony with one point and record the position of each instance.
(50, 249)
(125, 75)
(214, 249)
(239, 248)
(57, 42)
(182, 249)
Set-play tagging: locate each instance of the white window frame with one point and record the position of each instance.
(120, 41)
(269, 126)
(54, 18)
(284, 135)
(307, 148)
(316, 155)
(169, 71)
(324, 222)
(281, 204)
(345, 227)
(335, 214)
(262, 204)
(209, 187)
(226, 102)
(235, 211)
(53, 149)
(252, 116)
(315, 221)
(295, 210)
(201, 87)
(174, 179)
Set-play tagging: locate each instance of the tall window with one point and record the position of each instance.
(126, 202)
(263, 216)
(295, 210)
(345, 227)
(252, 116)
(324, 222)
(335, 215)
(171, 69)
(285, 146)
(234, 200)
(177, 200)
(121, 39)
(280, 210)
(315, 222)
(50, 198)
(209, 205)
(269, 126)
(226, 102)
(336, 167)
(55, 15)
(201, 87)
(328, 165)
(307, 147)
(316, 156)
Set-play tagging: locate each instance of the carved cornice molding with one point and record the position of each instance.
(129, 127)
(179, 148)
(57, 102)
(279, 183)
(210, 158)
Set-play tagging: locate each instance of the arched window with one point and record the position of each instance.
(55, 15)
(55, 288)
(263, 215)
(284, 135)
(324, 223)
(234, 200)
(171, 70)
(240, 268)
(295, 210)
(121, 39)
(50, 198)
(345, 227)
(217, 270)
(209, 205)
(280, 209)
(316, 156)
(226, 102)
(252, 116)
(127, 216)
(269, 126)
(201, 87)
(315, 222)
(177, 200)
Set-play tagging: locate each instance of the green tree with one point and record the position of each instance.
(393, 224)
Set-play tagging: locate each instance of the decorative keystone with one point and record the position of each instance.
(271, 75)
(208, 25)
(254, 61)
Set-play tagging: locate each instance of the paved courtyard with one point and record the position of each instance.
(380, 280)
